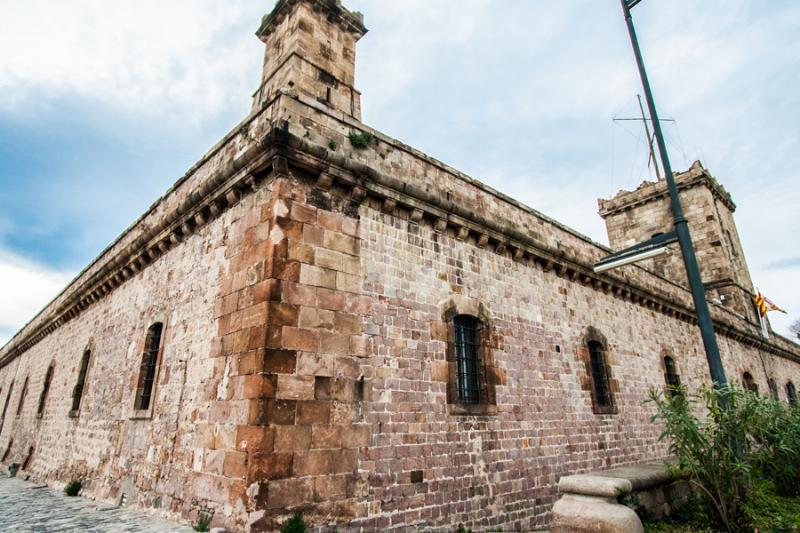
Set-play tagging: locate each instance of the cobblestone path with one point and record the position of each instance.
(25, 508)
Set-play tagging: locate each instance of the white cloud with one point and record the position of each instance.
(148, 54)
(26, 288)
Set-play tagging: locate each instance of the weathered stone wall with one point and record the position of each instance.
(184, 456)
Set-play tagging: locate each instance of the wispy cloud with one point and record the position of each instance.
(146, 55)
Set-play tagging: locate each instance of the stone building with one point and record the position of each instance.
(319, 318)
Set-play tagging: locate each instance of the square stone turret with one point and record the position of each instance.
(636, 216)
(311, 50)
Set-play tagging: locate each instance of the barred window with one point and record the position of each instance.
(22, 395)
(77, 392)
(671, 377)
(48, 378)
(469, 379)
(147, 370)
(601, 379)
(791, 393)
(749, 383)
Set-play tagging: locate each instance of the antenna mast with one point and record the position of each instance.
(649, 138)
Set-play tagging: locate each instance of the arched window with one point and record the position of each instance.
(773, 388)
(22, 395)
(147, 370)
(77, 392)
(48, 378)
(467, 348)
(749, 383)
(791, 393)
(671, 377)
(601, 379)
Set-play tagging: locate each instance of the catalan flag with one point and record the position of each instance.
(765, 305)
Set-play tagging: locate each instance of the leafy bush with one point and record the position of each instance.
(765, 511)
(203, 522)
(73, 487)
(778, 436)
(296, 524)
(360, 140)
(742, 448)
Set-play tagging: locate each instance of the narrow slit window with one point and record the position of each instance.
(48, 378)
(791, 393)
(467, 354)
(5, 406)
(8, 451)
(601, 379)
(26, 463)
(8, 400)
(22, 395)
(77, 392)
(147, 370)
(671, 377)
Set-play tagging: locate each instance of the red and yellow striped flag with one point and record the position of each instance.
(765, 305)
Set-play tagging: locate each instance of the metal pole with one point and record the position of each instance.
(679, 220)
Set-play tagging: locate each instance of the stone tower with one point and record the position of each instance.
(310, 50)
(635, 216)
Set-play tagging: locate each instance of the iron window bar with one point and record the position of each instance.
(147, 371)
(468, 363)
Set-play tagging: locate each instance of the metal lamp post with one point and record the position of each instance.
(681, 232)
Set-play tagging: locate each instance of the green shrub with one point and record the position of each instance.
(461, 529)
(73, 487)
(778, 434)
(296, 524)
(766, 511)
(332, 145)
(203, 522)
(360, 140)
(739, 442)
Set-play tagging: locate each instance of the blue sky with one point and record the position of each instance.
(104, 105)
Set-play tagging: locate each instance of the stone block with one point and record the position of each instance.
(270, 466)
(317, 277)
(289, 493)
(315, 412)
(588, 514)
(300, 339)
(292, 387)
(292, 438)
